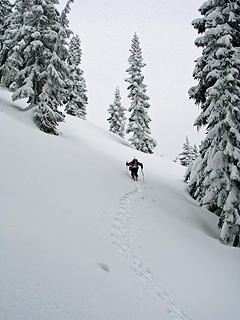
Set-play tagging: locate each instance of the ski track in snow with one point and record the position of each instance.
(120, 235)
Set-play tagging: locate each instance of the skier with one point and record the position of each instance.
(133, 167)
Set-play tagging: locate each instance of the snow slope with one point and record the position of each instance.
(80, 240)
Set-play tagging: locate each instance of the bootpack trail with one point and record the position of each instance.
(121, 238)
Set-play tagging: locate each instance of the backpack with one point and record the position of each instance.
(135, 163)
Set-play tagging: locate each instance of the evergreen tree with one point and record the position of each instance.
(12, 42)
(188, 154)
(35, 66)
(216, 179)
(54, 92)
(117, 117)
(139, 119)
(77, 100)
(5, 10)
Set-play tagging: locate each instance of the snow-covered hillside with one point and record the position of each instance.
(80, 240)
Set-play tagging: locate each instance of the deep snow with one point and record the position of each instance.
(80, 240)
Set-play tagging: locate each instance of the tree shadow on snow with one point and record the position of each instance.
(119, 139)
(202, 218)
(16, 112)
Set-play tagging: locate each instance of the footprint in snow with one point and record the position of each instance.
(103, 266)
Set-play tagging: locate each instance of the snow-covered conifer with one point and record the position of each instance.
(188, 155)
(117, 117)
(35, 68)
(54, 92)
(12, 41)
(77, 99)
(216, 179)
(139, 119)
(5, 10)
(185, 157)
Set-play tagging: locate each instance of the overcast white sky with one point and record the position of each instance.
(166, 36)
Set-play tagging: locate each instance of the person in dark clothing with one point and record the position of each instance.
(133, 167)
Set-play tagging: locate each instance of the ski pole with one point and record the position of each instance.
(142, 174)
